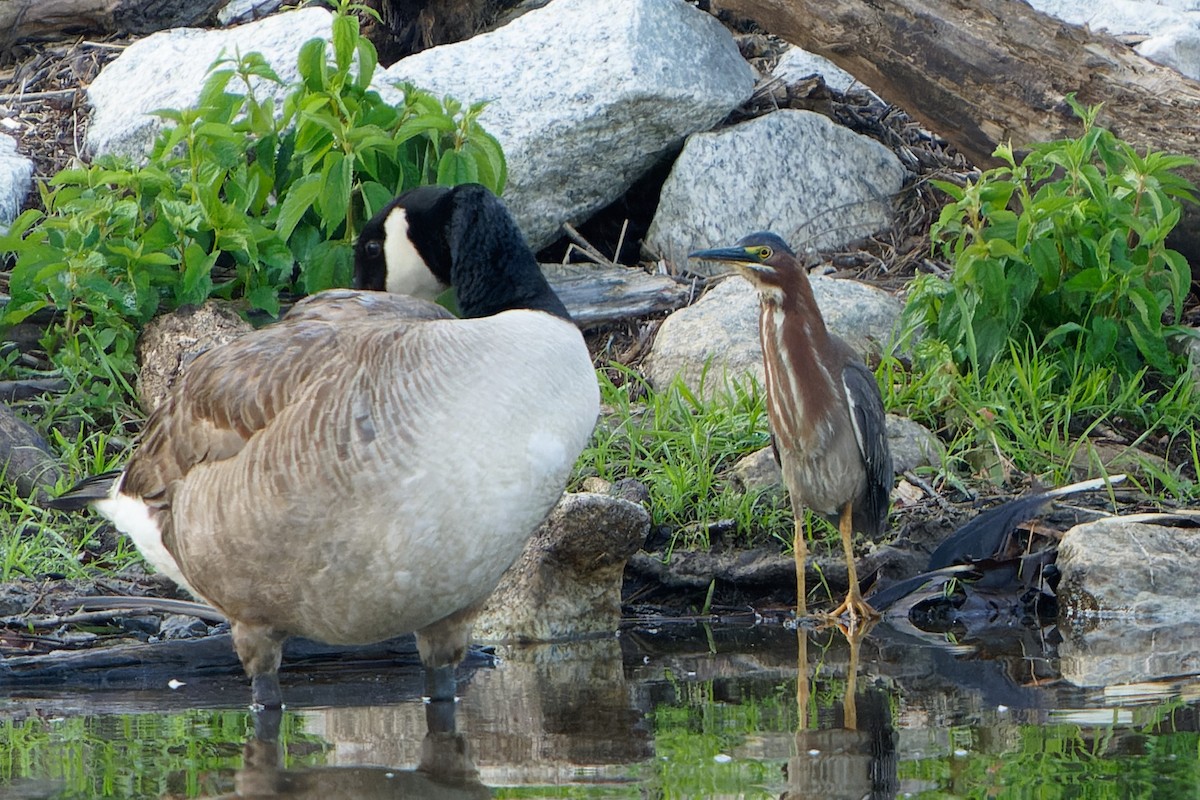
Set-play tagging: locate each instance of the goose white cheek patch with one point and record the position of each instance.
(407, 272)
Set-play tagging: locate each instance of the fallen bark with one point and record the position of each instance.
(982, 72)
(48, 20)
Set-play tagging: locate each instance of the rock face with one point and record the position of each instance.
(717, 337)
(567, 582)
(1115, 568)
(169, 343)
(16, 179)
(167, 70)
(584, 98)
(816, 184)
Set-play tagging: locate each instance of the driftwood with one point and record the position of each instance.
(989, 71)
(25, 21)
(597, 295)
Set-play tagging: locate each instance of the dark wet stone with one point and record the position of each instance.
(181, 626)
(26, 455)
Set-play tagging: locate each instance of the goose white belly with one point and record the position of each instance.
(324, 531)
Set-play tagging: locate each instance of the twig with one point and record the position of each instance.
(913, 477)
(21, 97)
(585, 246)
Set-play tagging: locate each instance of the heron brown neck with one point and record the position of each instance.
(794, 333)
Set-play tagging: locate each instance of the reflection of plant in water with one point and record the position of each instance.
(1150, 759)
(144, 755)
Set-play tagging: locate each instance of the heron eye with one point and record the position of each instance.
(374, 249)
(764, 253)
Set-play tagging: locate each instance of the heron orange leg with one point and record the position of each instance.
(854, 605)
(800, 549)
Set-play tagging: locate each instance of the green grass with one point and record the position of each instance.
(35, 542)
(683, 449)
(1035, 415)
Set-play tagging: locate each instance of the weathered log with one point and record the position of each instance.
(598, 295)
(982, 72)
(47, 20)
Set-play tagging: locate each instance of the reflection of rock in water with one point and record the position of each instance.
(1128, 651)
(546, 711)
(559, 704)
(445, 772)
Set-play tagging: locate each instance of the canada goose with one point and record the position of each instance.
(369, 465)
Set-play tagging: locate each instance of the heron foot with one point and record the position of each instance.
(856, 609)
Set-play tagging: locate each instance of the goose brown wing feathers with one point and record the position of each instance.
(233, 391)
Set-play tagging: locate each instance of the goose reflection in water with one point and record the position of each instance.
(446, 770)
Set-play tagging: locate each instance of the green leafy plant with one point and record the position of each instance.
(234, 201)
(1066, 245)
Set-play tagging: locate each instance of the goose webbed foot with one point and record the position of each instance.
(440, 683)
(264, 692)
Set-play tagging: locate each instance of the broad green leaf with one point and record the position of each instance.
(345, 38)
(375, 197)
(455, 167)
(299, 199)
(265, 298)
(312, 66)
(197, 275)
(368, 60)
(334, 199)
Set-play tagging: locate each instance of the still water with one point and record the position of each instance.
(676, 710)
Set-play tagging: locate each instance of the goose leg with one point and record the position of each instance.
(260, 649)
(854, 605)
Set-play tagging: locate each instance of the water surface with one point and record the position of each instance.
(669, 710)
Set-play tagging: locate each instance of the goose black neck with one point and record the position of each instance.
(492, 268)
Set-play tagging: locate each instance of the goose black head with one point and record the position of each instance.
(399, 252)
(462, 236)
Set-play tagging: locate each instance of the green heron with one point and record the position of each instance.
(369, 465)
(824, 406)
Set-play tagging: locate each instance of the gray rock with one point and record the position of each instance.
(168, 69)
(169, 343)
(796, 64)
(758, 471)
(911, 444)
(815, 183)
(25, 456)
(584, 98)
(716, 338)
(1177, 47)
(16, 179)
(567, 582)
(1129, 570)
(236, 12)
